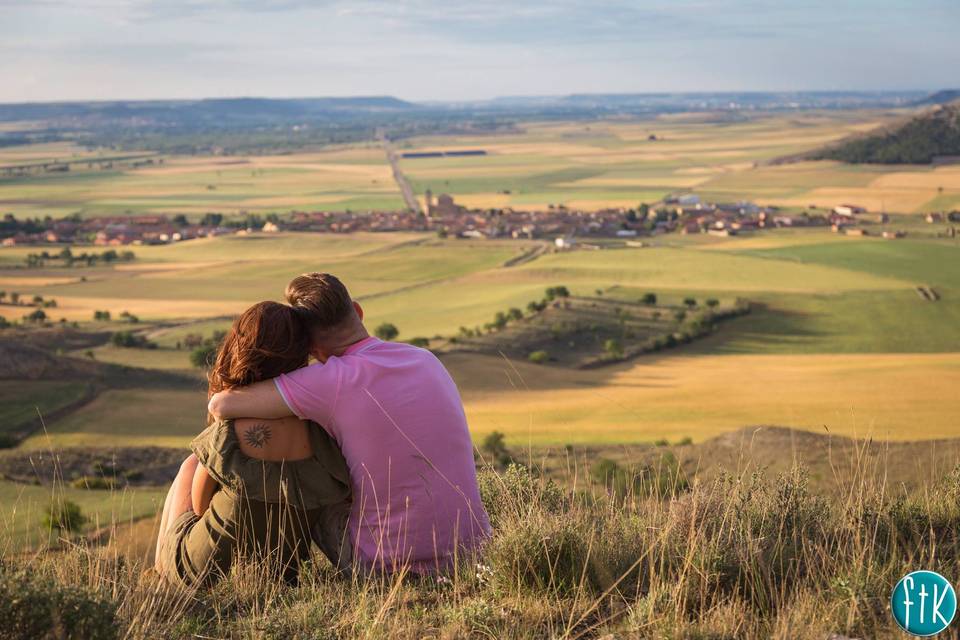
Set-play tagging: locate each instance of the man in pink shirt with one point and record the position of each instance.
(399, 420)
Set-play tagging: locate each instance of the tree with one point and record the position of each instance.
(712, 302)
(3, 295)
(690, 302)
(643, 210)
(180, 220)
(37, 299)
(386, 331)
(15, 298)
(649, 299)
(515, 314)
(421, 342)
(211, 219)
(37, 316)
(553, 293)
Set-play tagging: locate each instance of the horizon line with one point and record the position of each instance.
(928, 91)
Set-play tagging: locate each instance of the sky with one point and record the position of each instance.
(468, 50)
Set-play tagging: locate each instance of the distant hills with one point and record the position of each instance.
(940, 97)
(184, 110)
(921, 140)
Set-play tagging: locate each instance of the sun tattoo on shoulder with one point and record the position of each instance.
(257, 435)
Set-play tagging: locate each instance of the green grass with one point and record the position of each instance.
(852, 322)
(130, 417)
(20, 400)
(686, 268)
(22, 508)
(917, 262)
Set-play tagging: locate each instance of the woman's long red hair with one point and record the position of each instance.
(265, 340)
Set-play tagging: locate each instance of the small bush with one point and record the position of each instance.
(538, 357)
(37, 608)
(94, 482)
(494, 446)
(421, 342)
(387, 331)
(64, 515)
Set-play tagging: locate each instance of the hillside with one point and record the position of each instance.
(921, 140)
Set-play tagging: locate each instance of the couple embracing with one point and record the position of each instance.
(364, 453)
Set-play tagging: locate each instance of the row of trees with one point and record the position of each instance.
(37, 301)
(68, 258)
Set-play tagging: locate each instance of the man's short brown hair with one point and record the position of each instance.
(320, 299)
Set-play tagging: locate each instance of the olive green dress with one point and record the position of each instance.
(267, 512)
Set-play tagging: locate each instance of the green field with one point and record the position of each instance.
(837, 336)
(22, 509)
(355, 178)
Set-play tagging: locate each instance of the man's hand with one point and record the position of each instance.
(259, 400)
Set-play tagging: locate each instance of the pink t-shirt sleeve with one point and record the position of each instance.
(311, 392)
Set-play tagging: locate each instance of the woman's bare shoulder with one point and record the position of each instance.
(279, 439)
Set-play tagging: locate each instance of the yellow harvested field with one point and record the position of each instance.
(900, 200)
(7, 281)
(887, 396)
(82, 308)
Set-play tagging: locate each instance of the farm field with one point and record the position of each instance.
(579, 164)
(616, 164)
(355, 178)
(22, 509)
(838, 338)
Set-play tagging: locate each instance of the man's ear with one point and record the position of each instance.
(359, 310)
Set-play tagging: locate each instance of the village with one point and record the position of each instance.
(685, 214)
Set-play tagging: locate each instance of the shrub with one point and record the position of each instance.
(420, 341)
(556, 292)
(94, 482)
(37, 316)
(517, 493)
(203, 356)
(33, 607)
(494, 446)
(690, 302)
(712, 302)
(386, 331)
(131, 340)
(64, 515)
(613, 348)
(649, 299)
(538, 357)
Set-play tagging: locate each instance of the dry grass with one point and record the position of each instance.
(742, 556)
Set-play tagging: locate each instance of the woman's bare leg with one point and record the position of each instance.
(178, 500)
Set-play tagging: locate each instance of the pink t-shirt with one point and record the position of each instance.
(398, 418)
